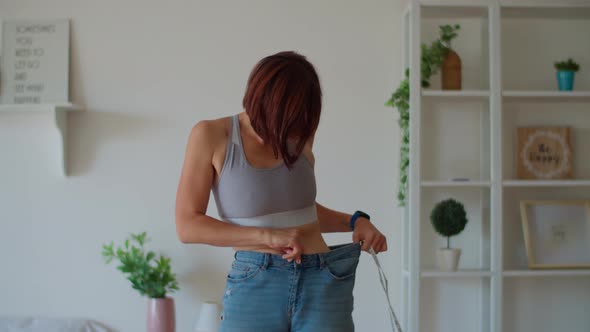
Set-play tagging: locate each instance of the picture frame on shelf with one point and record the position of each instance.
(556, 233)
(544, 153)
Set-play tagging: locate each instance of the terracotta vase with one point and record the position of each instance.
(161, 315)
(451, 71)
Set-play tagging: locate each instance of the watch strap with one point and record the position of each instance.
(355, 216)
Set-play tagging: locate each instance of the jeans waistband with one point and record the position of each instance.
(338, 251)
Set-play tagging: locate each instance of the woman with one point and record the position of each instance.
(259, 166)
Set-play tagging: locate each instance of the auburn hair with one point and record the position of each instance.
(284, 100)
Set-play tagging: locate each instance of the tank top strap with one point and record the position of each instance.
(238, 156)
(235, 147)
(235, 130)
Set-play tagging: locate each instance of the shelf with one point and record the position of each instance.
(59, 117)
(528, 53)
(456, 274)
(546, 273)
(442, 184)
(546, 183)
(435, 9)
(546, 11)
(507, 53)
(467, 94)
(515, 95)
(39, 107)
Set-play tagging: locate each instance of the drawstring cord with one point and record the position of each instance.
(392, 317)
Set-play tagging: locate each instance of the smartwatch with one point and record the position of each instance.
(355, 217)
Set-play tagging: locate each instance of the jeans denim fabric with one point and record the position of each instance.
(266, 293)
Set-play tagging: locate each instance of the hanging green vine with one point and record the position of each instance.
(432, 58)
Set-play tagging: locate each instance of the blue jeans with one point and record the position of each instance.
(266, 293)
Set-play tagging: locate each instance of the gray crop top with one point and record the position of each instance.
(263, 197)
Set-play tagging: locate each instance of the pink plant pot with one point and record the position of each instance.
(160, 315)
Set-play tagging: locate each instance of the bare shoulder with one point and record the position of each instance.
(208, 140)
(209, 133)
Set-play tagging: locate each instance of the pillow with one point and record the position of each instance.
(40, 324)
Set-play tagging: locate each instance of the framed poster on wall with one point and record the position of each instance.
(35, 61)
(556, 233)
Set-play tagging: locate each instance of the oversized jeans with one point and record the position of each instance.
(266, 293)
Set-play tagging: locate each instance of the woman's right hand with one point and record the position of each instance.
(288, 241)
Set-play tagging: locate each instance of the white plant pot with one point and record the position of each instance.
(448, 259)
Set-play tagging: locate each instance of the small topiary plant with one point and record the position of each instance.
(149, 275)
(569, 65)
(448, 218)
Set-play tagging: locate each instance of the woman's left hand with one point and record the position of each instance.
(365, 231)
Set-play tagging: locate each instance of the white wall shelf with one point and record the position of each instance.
(59, 120)
(471, 133)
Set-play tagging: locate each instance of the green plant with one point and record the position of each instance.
(149, 275)
(431, 60)
(569, 65)
(448, 33)
(448, 218)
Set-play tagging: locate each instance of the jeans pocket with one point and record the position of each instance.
(342, 269)
(241, 271)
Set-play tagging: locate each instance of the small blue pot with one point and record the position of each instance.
(565, 80)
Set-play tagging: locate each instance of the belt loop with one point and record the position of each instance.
(322, 261)
(266, 261)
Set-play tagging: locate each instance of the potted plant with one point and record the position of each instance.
(451, 66)
(566, 71)
(431, 61)
(449, 219)
(151, 276)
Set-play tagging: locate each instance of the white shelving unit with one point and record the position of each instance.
(455, 274)
(571, 96)
(547, 183)
(455, 184)
(456, 94)
(546, 273)
(508, 81)
(59, 120)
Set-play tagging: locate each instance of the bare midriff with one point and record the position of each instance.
(311, 240)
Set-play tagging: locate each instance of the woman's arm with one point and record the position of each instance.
(192, 197)
(364, 230)
(331, 220)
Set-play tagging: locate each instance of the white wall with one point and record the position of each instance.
(146, 71)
